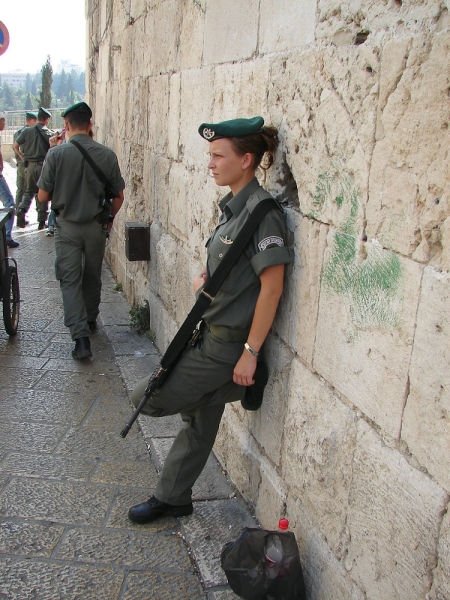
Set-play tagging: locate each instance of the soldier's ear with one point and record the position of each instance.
(247, 160)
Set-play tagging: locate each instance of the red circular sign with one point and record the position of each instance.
(4, 38)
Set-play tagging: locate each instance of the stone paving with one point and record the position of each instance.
(67, 478)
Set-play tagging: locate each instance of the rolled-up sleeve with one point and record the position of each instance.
(270, 244)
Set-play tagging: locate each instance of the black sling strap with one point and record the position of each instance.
(206, 296)
(43, 138)
(108, 191)
(215, 282)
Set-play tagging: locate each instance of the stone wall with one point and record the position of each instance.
(353, 440)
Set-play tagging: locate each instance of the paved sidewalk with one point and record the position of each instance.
(67, 478)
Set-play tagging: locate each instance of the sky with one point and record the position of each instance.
(58, 31)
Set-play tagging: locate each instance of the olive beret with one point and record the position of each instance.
(232, 128)
(30, 115)
(43, 113)
(79, 107)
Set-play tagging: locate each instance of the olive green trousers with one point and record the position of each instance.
(79, 249)
(198, 388)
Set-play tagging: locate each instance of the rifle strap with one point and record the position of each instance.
(213, 285)
(94, 167)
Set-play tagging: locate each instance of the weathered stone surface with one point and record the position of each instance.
(441, 575)
(58, 501)
(37, 437)
(49, 467)
(325, 577)
(426, 420)
(409, 186)
(165, 552)
(393, 522)
(365, 330)
(223, 39)
(284, 26)
(162, 586)
(302, 288)
(319, 443)
(267, 424)
(30, 539)
(24, 580)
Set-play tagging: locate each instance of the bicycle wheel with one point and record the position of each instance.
(11, 301)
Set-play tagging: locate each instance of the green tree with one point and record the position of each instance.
(28, 102)
(8, 97)
(46, 88)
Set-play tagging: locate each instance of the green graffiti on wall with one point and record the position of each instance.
(369, 280)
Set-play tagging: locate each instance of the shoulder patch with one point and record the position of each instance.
(273, 240)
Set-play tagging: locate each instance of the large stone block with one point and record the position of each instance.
(238, 453)
(393, 522)
(299, 306)
(196, 102)
(340, 22)
(409, 177)
(441, 575)
(224, 41)
(240, 89)
(365, 327)
(326, 104)
(162, 30)
(318, 446)
(325, 576)
(192, 34)
(267, 425)
(426, 421)
(173, 119)
(285, 25)
(156, 93)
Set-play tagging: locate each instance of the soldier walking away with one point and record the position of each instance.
(78, 199)
(30, 120)
(5, 193)
(32, 145)
(221, 363)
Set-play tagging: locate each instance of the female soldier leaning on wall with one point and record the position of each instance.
(218, 369)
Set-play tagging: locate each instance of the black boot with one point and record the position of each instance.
(20, 220)
(154, 509)
(82, 349)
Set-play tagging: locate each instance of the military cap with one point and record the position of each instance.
(232, 128)
(79, 107)
(30, 115)
(43, 113)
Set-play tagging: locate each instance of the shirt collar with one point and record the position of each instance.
(235, 204)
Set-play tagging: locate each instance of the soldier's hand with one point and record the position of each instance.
(244, 369)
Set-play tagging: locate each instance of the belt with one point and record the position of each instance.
(227, 334)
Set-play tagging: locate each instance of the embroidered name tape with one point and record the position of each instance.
(273, 240)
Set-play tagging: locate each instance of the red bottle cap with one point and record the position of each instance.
(283, 524)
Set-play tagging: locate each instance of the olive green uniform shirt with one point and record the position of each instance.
(234, 304)
(33, 143)
(77, 192)
(15, 136)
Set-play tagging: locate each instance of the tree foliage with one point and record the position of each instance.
(46, 84)
(65, 91)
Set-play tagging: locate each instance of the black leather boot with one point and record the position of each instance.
(82, 349)
(154, 509)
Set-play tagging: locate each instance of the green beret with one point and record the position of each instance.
(31, 115)
(43, 113)
(79, 107)
(232, 128)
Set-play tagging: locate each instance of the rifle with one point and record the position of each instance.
(190, 329)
